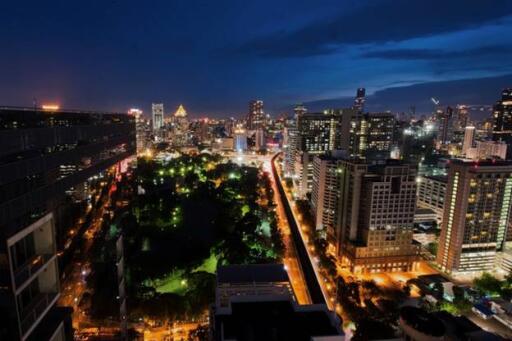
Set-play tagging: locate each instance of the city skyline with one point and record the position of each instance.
(117, 56)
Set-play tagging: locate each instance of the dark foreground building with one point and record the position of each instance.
(255, 302)
(44, 156)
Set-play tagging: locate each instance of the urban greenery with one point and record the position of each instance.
(191, 214)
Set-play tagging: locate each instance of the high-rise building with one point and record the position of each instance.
(462, 116)
(317, 133)
(240, 139)
(157, 110)
(44, 153)
(360, 99)
(180, 127)
(142, 130)
(324, 193)
(369, 135)
(359, 135)
(445, 125)
(502, 118)
(469, 138)
(259, 140)
(375, 217)
(255, 302)
(290, 148)
(256, 116)
(476, 213)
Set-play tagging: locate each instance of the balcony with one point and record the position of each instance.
(38, 307)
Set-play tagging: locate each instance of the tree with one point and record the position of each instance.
(488, 284)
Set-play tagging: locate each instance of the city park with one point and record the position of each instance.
(186, 216)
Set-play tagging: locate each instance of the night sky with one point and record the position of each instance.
(214, 56)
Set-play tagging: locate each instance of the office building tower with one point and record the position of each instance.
(375, 219)
(255, 302)
(469, 138)
(360, 99)
(240, 139)
(376, 136)
(44, 154)
(431, 193)
(180, 127)
(290, 147)
(502, 120)
(445, 124)
(260, 142)
(142, 130)
(256, 116)
(462, 116)
(476, 213)
(157, 110)
(324, 193)
(317, 133)
(369, 135)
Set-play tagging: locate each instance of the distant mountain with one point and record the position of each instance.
(400, 99)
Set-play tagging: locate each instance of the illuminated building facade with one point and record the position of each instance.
(317, 133)
(256, 116)
(476, 214)
(375, 218)
(290, 148)
(502, 119)
(180, 128)
(431, 193)
(488, 150)
(44, 154)
(469, 139)
(240, 139)
(324, 193)
(445, 124)
(157, 111)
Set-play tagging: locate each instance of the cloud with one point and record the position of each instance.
(432, 54)
(378, 22)
(400, 98)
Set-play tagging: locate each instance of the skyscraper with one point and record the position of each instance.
(65, 149)
(375, 217)
(476, 213)
(157, 110)
(502, 119)
(445, 125)
(256, 116)
(324, 193)
(360, 99)
(180, 127)
(290, 148)
(317, 133)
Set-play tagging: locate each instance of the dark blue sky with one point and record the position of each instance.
(214, 56)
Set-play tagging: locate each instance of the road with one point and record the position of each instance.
(75, 284)
(291, 259)
(315, 283)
